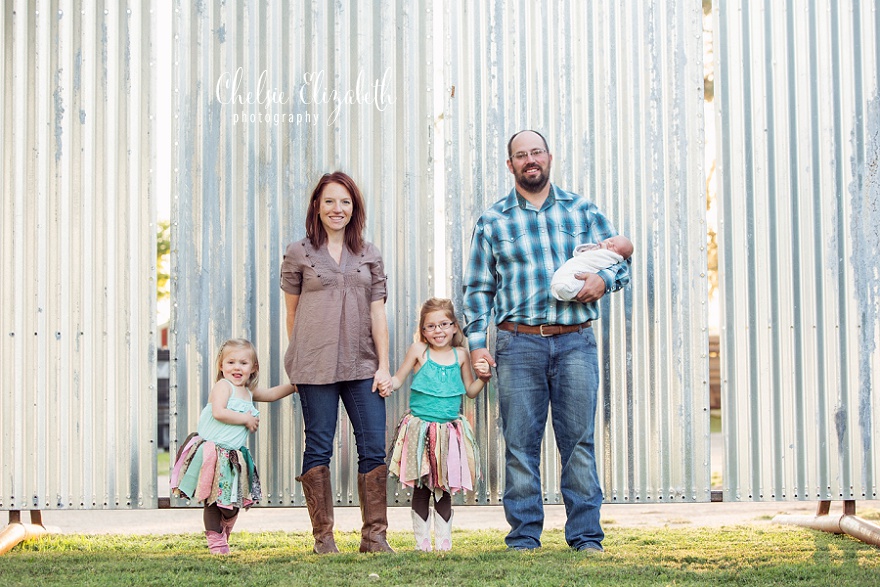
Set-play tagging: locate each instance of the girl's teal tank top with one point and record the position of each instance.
(436, 390)
(229, 436)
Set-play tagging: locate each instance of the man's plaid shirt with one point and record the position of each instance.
(515, 250)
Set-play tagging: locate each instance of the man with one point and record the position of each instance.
(545, 350)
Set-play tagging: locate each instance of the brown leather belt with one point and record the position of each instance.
(543, 329)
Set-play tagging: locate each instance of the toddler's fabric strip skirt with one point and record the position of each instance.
(207, 473)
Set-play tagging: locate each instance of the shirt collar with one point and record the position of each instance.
(514, 200)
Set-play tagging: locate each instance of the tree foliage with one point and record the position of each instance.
(163, 251)
(708, 53)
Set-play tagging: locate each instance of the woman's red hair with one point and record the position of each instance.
(354, 231)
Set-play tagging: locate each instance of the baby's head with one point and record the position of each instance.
(618, 244)
(237, 346)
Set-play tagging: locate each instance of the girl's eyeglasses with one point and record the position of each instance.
(445, 325)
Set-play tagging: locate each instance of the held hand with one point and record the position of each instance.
(382, 382)
(252, 423)
(593, 289)
(482, 355)
(482, 369)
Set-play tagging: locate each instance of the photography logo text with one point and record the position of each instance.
(258, 101)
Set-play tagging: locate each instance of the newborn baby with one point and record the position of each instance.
(588, 258)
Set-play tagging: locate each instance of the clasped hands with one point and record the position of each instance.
(382, 382)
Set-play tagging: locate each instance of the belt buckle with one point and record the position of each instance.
(541, 330)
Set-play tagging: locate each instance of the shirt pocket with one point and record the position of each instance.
(317, 278)
(573, 234)
(512, 245)
(574, 230)
(360, 277)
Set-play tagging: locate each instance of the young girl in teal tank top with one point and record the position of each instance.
(213, 465)
(434, 451)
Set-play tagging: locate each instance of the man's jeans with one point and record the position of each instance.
(534, 372)
(365, 409)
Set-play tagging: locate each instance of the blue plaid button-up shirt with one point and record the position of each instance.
(514, 252)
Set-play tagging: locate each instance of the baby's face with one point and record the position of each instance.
(611, 244)
(616, 244)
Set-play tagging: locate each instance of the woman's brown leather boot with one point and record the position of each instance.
(374, 509)
(319, 499)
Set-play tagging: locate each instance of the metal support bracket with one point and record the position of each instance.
(16, 532)
(845, 523)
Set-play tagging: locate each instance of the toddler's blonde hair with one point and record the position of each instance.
(238, 344)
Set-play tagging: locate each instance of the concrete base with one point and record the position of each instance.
(175, 521)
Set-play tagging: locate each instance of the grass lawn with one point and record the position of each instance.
(728, 556)
(715, 422)
(163, 462)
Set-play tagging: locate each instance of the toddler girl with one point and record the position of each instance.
(213, 465)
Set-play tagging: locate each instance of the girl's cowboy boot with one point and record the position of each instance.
(442, 532)
(217, 542)
(422, 531)
(227, 523)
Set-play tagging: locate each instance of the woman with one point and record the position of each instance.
(334, 284)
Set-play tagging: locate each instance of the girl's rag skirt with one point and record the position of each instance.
(208, 474)
(441, 456)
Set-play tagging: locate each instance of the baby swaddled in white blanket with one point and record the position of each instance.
(588, 258)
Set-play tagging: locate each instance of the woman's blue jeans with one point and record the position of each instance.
(535, 373)
(365, 409)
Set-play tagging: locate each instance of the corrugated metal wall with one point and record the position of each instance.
(616, 87)
(77, 252)
(557, 66)
(245, 170)
(799, 116)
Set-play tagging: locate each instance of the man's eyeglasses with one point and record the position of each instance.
(535, 153)
(445, 325)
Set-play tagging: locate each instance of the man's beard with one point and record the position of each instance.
(535, 184)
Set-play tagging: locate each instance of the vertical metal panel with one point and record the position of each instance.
(557, 66)
(78, 411)
(799, 115)
(243, 183)
(617, 89)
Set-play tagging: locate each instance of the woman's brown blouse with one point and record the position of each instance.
(332, 336)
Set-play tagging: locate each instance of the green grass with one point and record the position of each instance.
(163, 462)
(715, 421)
(728, 556)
